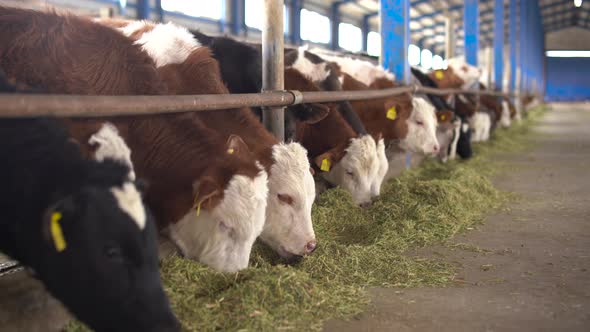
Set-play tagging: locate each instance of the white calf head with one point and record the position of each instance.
(468, 73)
(356, 171)
(222, 237)
(288, 228)
(505, 121)
(383, 168)
(421, 137)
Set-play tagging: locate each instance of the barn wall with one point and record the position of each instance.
(568, 79)
(568, 39)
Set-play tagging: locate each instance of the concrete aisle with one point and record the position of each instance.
(534, 271)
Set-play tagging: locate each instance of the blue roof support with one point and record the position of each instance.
(523, 41)
(159, 11)
(498, 44)
(471, 28)
(365, 29)
(395, 37)
(335, 21)
(513, 49)
(295, 22)
(143, 9)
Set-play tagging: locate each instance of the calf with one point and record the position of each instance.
(458, 75)
(81, 226)
(358, 154)
(189, 167)
(189, 68)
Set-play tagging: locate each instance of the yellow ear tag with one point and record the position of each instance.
(391, 114)
(325, 165)
(439, 74)
(230, 151)
(198, 209)
(443, 117)
(57, 233)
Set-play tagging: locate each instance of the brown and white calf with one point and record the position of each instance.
(189, 68)
(195, 181)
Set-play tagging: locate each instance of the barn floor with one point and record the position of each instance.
(528, 267)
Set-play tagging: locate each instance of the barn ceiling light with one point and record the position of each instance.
(568, 54)
(578, 3)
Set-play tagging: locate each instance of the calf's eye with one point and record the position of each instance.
(285, 199)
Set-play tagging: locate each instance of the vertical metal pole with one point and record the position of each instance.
(523, 41)
(238, 8)
(273, 63)
(395, 37)
(365, 29)
(513, 50)
(143, 9)
(489, 53)
(295, 21)
(449, 36)
(498, 43)
(471, 30)
(335, 20)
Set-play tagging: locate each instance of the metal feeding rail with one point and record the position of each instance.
(34, 105)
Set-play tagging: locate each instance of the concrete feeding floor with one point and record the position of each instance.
(533, 270)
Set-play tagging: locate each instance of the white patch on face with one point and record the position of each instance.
(316, 72)
(447, 134)
(358, 170)
(481, 123)
(165, 43)
(470, 76)
(112, 146)
(129, 200)
(383, 168)
(421, 137)
(223, 237)
(505, 120)
(288, 228)
(360, 70)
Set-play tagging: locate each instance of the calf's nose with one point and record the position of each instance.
(310, 246)
(435, 148)
(365, 204)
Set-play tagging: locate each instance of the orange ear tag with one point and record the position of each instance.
(325, 165)
(439, 74)
(391, 114)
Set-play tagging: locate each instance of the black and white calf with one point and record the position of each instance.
(81, 226)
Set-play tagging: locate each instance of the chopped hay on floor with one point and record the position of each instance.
(357, 248)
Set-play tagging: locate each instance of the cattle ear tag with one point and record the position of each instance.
(391, 113)
(56, 232)
(439, 74)
(230, 151)
(443, 118)
(197, 205)
(325, 165)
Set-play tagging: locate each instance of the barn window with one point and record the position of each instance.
(437, 62)
(413, 55)
(315, 27)
(374, 43)
(426, 59)
(255, 15)
(197, 8)
(350, 37)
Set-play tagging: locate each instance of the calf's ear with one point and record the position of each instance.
(208, 194)
(326, 160)
(310, 113)
(236, 145)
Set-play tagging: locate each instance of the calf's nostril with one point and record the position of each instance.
(310, 246)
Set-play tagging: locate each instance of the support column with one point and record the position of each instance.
(471, 28)
(450, 41)
(295, 21)
(395, 37)
(513, 46)
(365, 29)
(523, 42)
(498, 43)
(335, 21)
(273, 61)
(143, 9)
(238, 16)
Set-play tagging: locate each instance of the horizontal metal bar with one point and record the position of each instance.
(32, 105)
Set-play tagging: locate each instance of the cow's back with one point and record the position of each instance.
(68, 54)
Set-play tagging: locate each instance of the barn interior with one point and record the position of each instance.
(496, 243)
